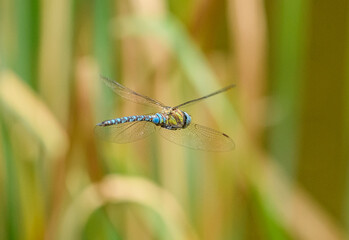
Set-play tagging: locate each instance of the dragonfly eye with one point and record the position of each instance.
(187, 120)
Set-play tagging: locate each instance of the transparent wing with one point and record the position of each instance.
(131, 95)
(188, 103)
(199, 137)
(125, 132)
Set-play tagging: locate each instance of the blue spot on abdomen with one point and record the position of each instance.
(156, 120)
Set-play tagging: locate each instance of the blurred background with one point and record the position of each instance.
(287, 177)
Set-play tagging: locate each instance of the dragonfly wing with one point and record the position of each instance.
(131, 95)
(189, 103)
(199, 137)
(125, 132)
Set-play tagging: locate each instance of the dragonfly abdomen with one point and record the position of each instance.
(149, 118)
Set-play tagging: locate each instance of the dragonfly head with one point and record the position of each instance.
(187, 120)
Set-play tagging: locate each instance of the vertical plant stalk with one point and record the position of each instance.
(247, 23)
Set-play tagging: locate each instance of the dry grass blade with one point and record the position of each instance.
(120, 189)
(20, 100)
(299, 213)
(248, 31)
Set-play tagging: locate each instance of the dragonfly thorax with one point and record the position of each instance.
(174, 119)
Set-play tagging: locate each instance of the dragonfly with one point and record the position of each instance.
(171, 123)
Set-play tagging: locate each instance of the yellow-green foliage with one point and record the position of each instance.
(288, 115)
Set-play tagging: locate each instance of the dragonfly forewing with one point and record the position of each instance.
(189, 103)
(132, 95)
(199, 137)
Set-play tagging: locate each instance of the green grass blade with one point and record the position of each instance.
(287, 53)
(12, 203)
